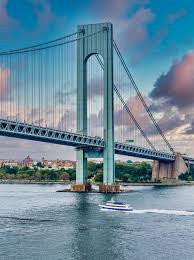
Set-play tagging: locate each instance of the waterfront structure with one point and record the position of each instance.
(46, 119)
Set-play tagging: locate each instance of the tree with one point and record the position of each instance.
(92, 166)
(39, 165)
(73, 176)
(52, 175)
(65, 176)
(25, 168)
(125, 177)
(187, 176)
(98, 177)
(129, 161)
(2, 176)
(11, 170)
(125, 171)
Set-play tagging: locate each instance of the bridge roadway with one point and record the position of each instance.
(48, 135)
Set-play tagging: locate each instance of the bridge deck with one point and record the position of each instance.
(43, 134)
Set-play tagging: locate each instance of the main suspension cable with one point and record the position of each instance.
(141, 98)
(38, 45)
(30, 49)
(127, 108)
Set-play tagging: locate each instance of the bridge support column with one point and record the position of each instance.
(168, 170)
(96, 39)
(81, 162)
(109, 164)
(100, 41)
(81, 184)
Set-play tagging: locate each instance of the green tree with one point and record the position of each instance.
(125, 177)
(98, 177)
(72, 176)
(39, 165)
(64, 176)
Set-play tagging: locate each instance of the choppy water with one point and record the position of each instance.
(38, 223)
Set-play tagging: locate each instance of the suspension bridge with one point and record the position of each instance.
(78, 91)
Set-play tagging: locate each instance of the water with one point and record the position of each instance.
(38, 223)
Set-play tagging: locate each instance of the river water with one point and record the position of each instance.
(38, 223)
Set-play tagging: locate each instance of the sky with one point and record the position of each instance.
(155, 37)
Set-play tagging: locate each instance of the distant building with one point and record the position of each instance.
(20, 165)
(69, 165)
(58, 164)
(10, 163)
(97, 160)
(1, 163)
(48, 164)
(28, 162)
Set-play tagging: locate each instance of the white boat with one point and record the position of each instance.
(114, 205)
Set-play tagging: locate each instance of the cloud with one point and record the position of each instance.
(12, 148)
(68, 121)
(40, 13)
(111, 8)
(122, 118)
(172, 103)
(7, 23)
(95, 88)
(4, 87)
(170, 120)
(131, 20)
(189, 130)
(171, 18)
(67, 96)
(176, 87)
(156, 38)
(129, 28)
(135, 28)
(44, 14)
(133, 32)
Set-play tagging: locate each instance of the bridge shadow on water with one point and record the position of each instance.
(95, 228)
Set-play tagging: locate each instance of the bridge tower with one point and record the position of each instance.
(95, 39)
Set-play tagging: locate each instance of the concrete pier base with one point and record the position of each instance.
(81, 187)
(168, 170)
(109, 188)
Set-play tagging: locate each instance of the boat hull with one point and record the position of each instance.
(115, 208)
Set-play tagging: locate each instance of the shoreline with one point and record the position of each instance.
(32, 182)
(157, 184)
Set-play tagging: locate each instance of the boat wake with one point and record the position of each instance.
(25, 219)
(164, 211)
(160, 211)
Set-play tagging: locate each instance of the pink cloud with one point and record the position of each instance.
(12, 148)
(135, 28)
(129, 28)
(152, 43)
(173, 100)
(176, 87)
(4, 76)
(111, 9)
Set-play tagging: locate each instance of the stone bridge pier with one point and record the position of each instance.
(168, 170)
